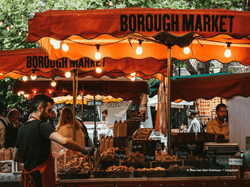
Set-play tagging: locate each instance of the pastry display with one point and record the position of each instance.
(176, 167)
(109, 154)
(166, 158)
(142, 134)
(120, 168)
(151, 169)
(135, 157)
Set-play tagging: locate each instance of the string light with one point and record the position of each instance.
(139, 48)
(65, 47)
(53, 83)
(132, 74)
(98, 55)
(186, 50)
(50, 92)
(34, 92)
(67, 74)
(8, 28)
(25, 78)
(98, 70)
(33, 76)
(1, 23)
(132, 78)
(11, 26)
(26, 96)
(19, 33)
(111, 3)
(228, 50)
(20, 93)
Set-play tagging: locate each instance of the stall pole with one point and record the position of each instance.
(82, 108)
(95, 132)
(169, 100)
(74, 106)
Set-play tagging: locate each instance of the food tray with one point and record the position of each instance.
(119, 174)
(74, 176)
(165, 164)
(150, 173)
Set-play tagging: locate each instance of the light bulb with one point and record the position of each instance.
(52, 41)
(132, 74)
(132, 78)
(26, 96)
(50, 92)
(25, 78)
(67, 74)
(110, 3)
(33, 76)
(139, 50)
(34, 92)
(186, 50)
(53, 83)
(98, 55)
(227, 53)
(98, 70)
(65, 47)
(57, 45)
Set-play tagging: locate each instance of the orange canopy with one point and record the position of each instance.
(118, 32)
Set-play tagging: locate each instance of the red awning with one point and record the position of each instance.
(23, 61)
(208, 32)
(117, 88)
(225, 86)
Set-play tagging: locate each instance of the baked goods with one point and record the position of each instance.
(142, 134)
(151, 169)
(135, 157)
(120, 168)
(109, 154)
(166, 158)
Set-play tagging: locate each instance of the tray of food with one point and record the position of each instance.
(150, 172)
(120, 172)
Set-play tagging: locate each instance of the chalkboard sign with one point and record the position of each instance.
(191, 146)
(149, 158)
(120, 154)
(211, 154)
(97, 103)
(159, 146)
(135, 116)
(182, 154)
(137, 147)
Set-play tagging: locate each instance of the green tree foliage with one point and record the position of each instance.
(14, 22)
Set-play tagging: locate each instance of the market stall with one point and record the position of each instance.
(209, 34)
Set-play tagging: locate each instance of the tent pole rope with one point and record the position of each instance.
(169, 100)
(74, 106)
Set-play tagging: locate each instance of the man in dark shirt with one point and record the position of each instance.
(33, 145)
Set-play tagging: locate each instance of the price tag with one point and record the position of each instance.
(149, 158)
(182, 154)
(137, 147)
(120, 154)
(211, 154)
(235, 161)
(191, 146)
(159, 146)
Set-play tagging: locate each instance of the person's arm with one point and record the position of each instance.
(66, 142)
(17, 155)
(210, 129)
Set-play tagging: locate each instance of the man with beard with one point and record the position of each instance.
(33, 145)
(218, 125)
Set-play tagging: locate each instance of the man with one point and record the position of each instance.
(51, 120)
(195, 124)
(8, 130)
(33, 145)
(218, 125)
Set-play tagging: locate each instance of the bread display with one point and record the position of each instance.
(109, 154)
(166, 158)
(142, 134)
(176, 167)
(135, 157)
(120, 168)
(151, 169)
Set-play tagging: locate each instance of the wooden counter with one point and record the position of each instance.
(156, 182)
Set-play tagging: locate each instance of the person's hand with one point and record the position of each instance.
(89, 150)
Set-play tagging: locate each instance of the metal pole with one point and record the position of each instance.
(95, 132)
(82, 108)
(74, 106)
(169, 100)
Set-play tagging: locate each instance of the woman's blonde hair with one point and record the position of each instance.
(66, 117)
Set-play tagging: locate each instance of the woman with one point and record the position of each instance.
(65, 126)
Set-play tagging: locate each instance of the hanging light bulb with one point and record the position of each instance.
(65, 47)
(33, 76)
(132, 78)
(34, 92)
(110, 3)
(26, 96)
(132, 74)
(50, 92)
(67, 74)
(139, 48)
(20, 93)
(186, 50)
(98, 70)
(53, 83)
(228, 50)
(25, 78)
(98, 55)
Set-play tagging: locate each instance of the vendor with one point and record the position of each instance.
(195, 124)
(218, 125)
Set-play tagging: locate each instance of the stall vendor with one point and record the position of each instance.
(218, 125)
(33, 145)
